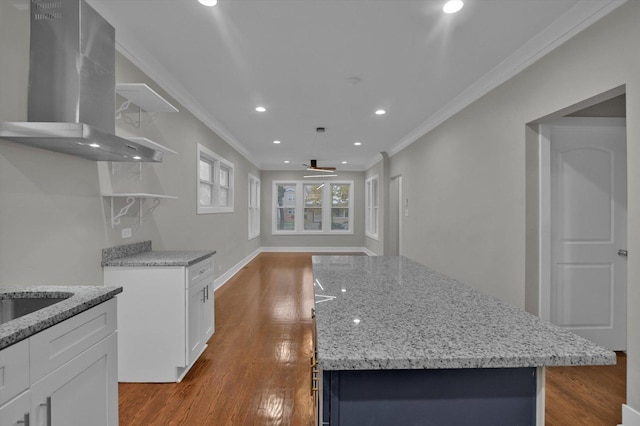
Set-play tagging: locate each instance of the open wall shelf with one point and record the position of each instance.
(144, 97)
(131, 198)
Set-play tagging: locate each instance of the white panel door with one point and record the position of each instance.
(588, 228)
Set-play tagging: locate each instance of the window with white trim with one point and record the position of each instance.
(254, 206)
(371, 207)
(312, 207)
(215, 182)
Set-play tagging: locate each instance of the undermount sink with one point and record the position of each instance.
(11, 309)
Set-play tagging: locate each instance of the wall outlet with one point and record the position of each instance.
(126, 233)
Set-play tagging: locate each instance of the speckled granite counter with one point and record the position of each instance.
(382, 313)
(81, 298)
(161, 258)
(141, 255)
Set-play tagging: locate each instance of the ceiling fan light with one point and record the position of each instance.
(315, 169)
(320, 176)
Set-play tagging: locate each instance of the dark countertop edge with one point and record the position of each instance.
(30, 324)
(134, 261)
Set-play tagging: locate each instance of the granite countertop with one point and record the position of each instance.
(81, 298)
(375, 313)
(161, 258)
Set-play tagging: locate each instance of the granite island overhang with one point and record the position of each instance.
(397, 341)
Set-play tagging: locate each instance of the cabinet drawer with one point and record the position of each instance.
(198, 271)
(14, 370)
(53, 347)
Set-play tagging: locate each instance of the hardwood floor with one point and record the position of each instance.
(256, 368)
(591, 395)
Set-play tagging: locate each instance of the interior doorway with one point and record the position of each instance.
(582, 222)
(395, 216)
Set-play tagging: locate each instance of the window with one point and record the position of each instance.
(340, 206)
(215, 183)
(371, 207)
(254, 206)
(312, 207)
(285, 215)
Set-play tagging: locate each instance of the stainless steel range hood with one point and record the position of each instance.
(71, 106)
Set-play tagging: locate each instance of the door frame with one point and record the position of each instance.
(400, 210)
(545, 214)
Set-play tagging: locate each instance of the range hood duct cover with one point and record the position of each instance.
(71, 106)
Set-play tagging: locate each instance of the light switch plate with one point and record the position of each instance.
(126, 233)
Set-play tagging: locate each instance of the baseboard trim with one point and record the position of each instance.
(630, 417)
(316, 249)
(222, 279)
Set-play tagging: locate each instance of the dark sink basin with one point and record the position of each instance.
(11, 309)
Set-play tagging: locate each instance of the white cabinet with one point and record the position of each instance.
(16, 411)
(75, 393)
(201, 318)
(165, 318)
(70, 371)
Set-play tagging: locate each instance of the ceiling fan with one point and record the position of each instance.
(313, 164)
(313, 167)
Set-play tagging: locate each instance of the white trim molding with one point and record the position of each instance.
(576, 19)
(630, 417)
(317, 250)
(222, 279)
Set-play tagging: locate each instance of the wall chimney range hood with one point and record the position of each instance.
(71, 105)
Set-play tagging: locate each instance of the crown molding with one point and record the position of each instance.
(140, 57)
(576, 19)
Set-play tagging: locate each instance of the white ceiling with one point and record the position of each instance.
(332, 63)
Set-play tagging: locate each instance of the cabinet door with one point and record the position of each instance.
(15, 411)
(208, 315)
(196, 297)
(82, 392)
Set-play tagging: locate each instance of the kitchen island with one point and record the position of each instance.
(399, 343)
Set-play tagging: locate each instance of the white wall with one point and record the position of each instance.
(53, 220)
(466, 179)
(282, 241)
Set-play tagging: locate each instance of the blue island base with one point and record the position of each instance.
(505, 396)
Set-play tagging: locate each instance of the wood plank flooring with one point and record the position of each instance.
(256, 368)
(589, 395)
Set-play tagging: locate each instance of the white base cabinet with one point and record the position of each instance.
(165, 318)
(70, 371)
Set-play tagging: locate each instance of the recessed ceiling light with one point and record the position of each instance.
(276, 142)
(261, 109)
(94, 145)
(381, 112)
(344, 162)
(357, 143)
(208, 2)
(452, 6)
(137, 157)
(286, 161)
